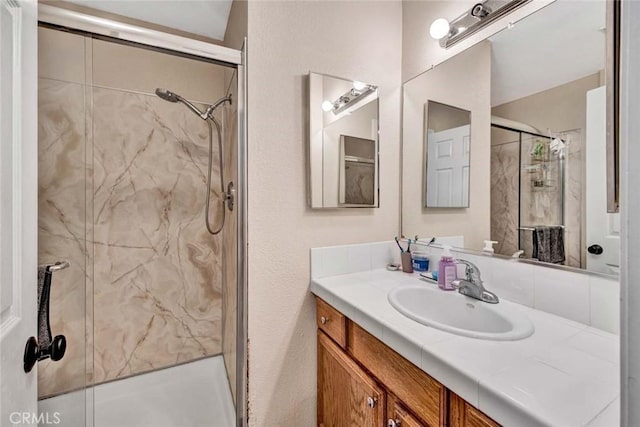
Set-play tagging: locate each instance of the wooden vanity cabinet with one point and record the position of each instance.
(399, 416)
(347, 395)
(362, 382)
(420, 393)
(462, 414)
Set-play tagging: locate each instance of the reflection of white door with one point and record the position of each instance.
(18, 209)
(448, 167)
(603, 229)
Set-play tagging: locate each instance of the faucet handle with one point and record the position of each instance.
(472, 272)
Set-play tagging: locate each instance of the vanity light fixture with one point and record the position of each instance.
(327, 106)
(479, 16)
(349, 98)
(359, 85)
(439, 28)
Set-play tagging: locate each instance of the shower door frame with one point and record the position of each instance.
(85, 22)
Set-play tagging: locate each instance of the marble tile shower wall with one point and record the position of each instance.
(504, 197)
(230, 241)
(62, 152)
(121, 194)
(580, 296)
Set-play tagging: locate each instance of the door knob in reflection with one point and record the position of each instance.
(595, 249)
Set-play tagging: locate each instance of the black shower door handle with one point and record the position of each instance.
(45, 347)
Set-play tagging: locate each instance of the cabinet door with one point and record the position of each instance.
(399, 416)
(422, 394)
(461, 414)
(347, 396)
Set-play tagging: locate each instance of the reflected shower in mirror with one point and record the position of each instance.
(343, 143)
(538, 176)
(447, 167)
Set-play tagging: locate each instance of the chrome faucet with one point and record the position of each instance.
(472, 286)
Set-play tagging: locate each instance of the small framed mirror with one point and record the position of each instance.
(343, 143)
(447, 142)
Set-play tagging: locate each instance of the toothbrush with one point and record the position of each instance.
(398, 243)
(409, 246)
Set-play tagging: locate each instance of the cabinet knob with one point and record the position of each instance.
(393, 423)
(371, 402)
(324, 320)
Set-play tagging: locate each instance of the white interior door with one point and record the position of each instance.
(18, 208)
(448, 167)
(603, 229)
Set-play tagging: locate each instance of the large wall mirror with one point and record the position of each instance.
(536, 95)
(343, 143)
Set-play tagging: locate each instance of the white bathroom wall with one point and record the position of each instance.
(577, 295)
(287, 40)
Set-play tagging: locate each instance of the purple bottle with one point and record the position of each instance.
(447, 270)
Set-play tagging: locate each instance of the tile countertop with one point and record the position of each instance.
(566, 374)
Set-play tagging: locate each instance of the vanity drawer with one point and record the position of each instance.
(421, 394)
(331, 322)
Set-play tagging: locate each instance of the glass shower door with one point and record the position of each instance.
(64, 227)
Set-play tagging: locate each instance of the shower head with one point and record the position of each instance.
(167, 95)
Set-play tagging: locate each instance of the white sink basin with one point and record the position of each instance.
(458, 314)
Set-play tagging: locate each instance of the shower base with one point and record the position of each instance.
(195, 394)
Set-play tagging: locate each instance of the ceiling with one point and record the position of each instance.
(207, 18)
(556, 45)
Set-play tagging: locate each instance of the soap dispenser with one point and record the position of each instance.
(488, 246)
(447, 270)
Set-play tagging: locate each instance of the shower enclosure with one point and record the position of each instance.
(151, 305)
(527, 188)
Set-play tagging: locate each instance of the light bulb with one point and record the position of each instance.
(327, 106)
(439, 28)
(359, 85)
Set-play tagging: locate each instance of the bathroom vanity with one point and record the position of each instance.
(378, 367)
(363, 382)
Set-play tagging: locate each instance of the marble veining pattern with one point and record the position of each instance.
(504, 197)
(157, 270)
(230, 241)
(122, 182)
(359, 183)
(574, 201)
(61, 225)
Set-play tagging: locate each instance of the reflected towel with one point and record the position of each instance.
(548, 244)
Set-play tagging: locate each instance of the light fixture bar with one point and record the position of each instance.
(350, 98)
(478, 17)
